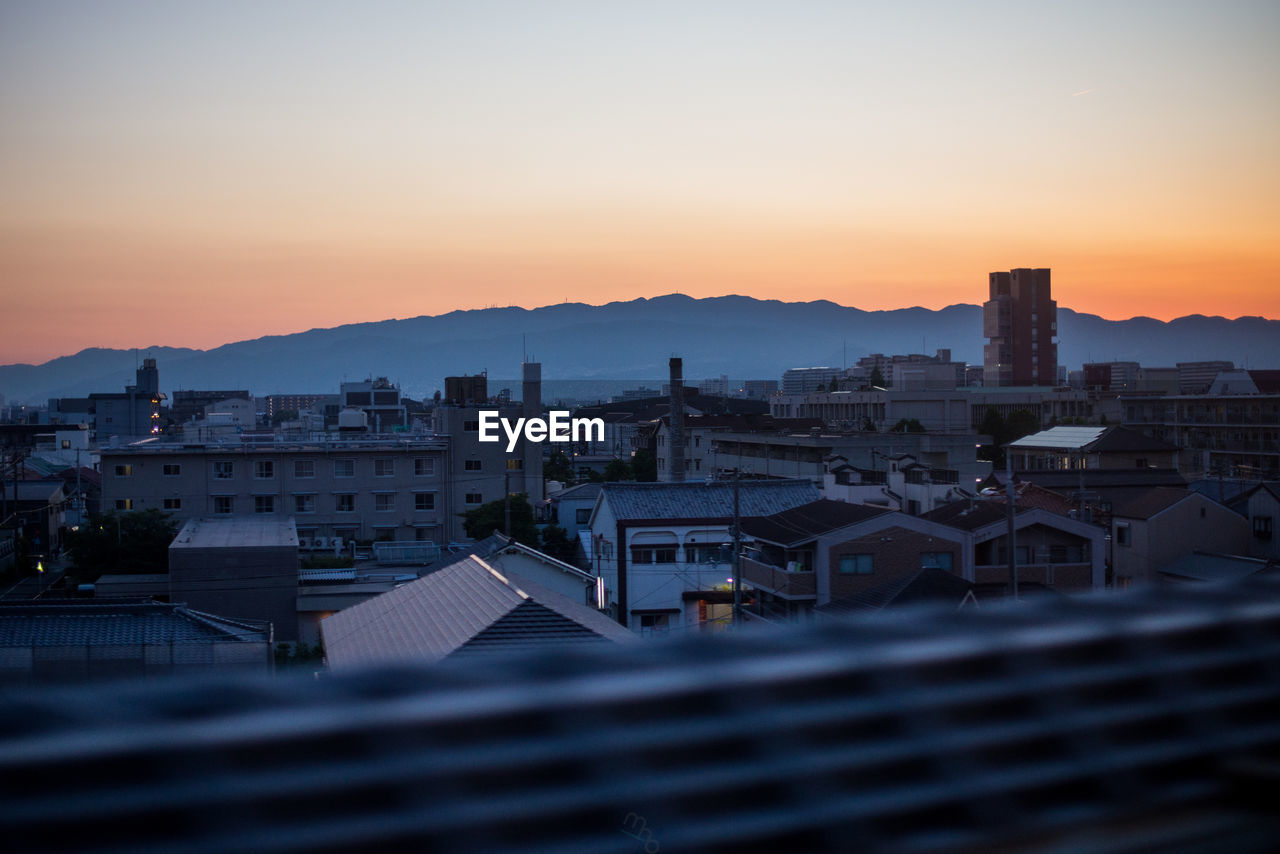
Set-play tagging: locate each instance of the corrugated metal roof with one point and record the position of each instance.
(428, 619)
(1060, 437)
(697, 500)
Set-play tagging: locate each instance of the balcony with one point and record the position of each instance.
(779, 582)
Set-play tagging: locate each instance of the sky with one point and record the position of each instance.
(191, 174)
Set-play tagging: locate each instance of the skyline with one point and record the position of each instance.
(197, 176)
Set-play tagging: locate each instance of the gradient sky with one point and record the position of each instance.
(192, 174)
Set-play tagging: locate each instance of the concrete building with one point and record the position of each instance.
(1158, 528)
(372, 487)
(1111, 376)
(244, 567)
(1196, 377)
(188, 404)
(133, 414)
(1112, 447)
(1020, 322)
(1228, 435)
(805, 380)
(379, 399)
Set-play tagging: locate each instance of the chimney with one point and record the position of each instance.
(677, 421)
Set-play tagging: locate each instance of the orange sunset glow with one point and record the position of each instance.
(192, 176)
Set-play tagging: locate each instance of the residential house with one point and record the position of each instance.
(1114, 447)
(1261, 506)
(1155, 529)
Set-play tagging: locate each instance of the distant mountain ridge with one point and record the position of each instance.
(737, 336)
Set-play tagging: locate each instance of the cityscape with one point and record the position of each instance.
(552, 427)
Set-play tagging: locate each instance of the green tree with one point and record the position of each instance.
(905, 425)
(487, 518)
(868, 426)
(284, 415)
(618, 470)
(133, 542)
(556, 542)
(1021, 422)
(644, 465)
(877, 378)
(559, 468)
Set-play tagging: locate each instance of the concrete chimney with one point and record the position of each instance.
(676, 456)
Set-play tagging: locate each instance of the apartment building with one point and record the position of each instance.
(372, 487)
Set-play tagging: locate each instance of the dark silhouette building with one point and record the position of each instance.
(1020, 322)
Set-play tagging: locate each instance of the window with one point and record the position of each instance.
(424, 466)
(124, 471)
(384, 502)
(344, 468)
(304, 504)
(264, 504)
(172, 469)
(471, 465)
(124, 503)
(1262, 527)
(223, 470)
(304, 469)
(473, 498)
(172, 504)
(515, 464)
(582, 516)
(936, 560)
(264, 469)
(344, 502)
(471, 426)
(384, 467)
(654, 554)
(1122, 534)
(655, 624)
(223, 505)
(857, 564)
(424, 501)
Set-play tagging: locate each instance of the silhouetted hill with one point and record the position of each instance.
(733, 335)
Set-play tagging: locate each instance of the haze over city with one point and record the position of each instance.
(192, 175)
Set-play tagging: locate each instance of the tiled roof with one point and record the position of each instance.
(1151, 502)
(701, 500)
(1214, 567)
(808, 521)
(435, 616)
(527, 621)
(581, 492)
(134, 621)
(967, 515)
(1124, 440)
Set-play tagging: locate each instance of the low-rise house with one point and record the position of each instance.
(79, 640)
(1214, 568)
(663, 551)
(464, 609)
(1261, 506)
(904, 484)
(1156, 529)
(1091, 448)
(927, 586)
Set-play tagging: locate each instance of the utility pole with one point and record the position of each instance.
(737, 551)
(1012, 534)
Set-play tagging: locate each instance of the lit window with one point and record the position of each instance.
(124, 503)
(124, 471)
(173, 504)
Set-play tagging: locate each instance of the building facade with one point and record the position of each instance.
(1020, 322)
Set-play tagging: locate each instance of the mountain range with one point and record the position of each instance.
(740, 337)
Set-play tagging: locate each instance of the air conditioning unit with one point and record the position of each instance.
(304, 543)
(335, 542)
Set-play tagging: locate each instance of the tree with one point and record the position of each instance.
(1021, 422)
(133, 542)
(618, 470)
(487, 518)
(868, 426)
(905, 425)
(558, 468)
(284, 415)
(644, 466)
(877, 378)
(556, 542)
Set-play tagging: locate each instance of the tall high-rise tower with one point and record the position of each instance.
(1020, 322)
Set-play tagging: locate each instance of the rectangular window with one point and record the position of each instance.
(264, 504)
(424, 466)
(172, 469)
(582, 515)
(384, 467)
(124, 471)
(264, 469)
(471, 426)
(223, 469)
(124, 503)
(304, 469)
(654, 554)
(473, 498)
(424, 501)
(1262, 527)
(936, 560)
(344, 468)
(384, 502)
(304, 504)
(471, 465)
(223, 505)
(857, 564)
(1122, 534)
(515, 464)
(344, 502)
(173, 504)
